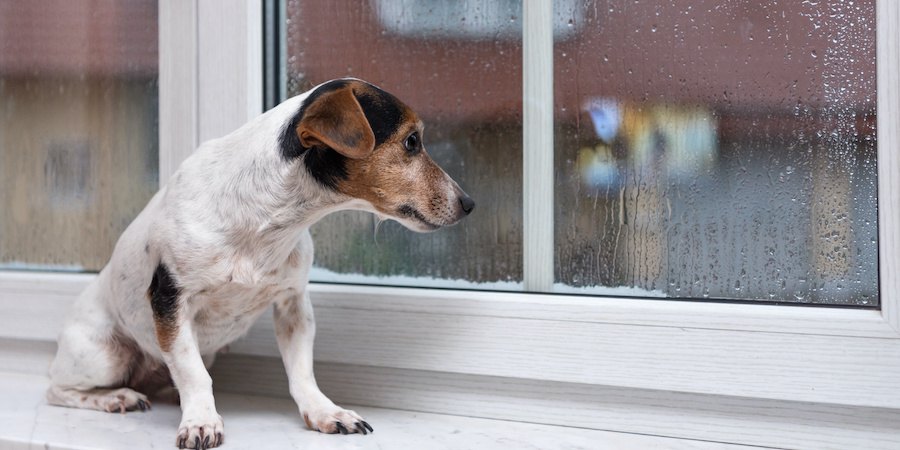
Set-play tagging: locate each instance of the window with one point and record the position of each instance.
(709, 151)
(78, 129)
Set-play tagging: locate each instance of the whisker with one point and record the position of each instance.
(378, 222)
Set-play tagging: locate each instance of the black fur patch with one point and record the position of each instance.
(290, 143)
(328, 167)
(383, 112)
(164, 295)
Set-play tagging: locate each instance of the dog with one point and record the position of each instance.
(227, 237)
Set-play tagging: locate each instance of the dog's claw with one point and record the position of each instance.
(220, 439)
(205, 442)
(335, 420)
(182, 442)
(366, 424)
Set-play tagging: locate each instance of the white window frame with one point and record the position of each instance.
(729, 357)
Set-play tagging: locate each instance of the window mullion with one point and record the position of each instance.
(537, 135)
(178, 71)
(888, 63)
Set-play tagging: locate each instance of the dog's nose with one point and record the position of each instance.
(467, 204)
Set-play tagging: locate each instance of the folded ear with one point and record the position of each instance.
(336, 119)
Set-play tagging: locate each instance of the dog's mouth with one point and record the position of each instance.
(413, 213)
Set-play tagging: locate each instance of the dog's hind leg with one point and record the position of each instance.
(93, 361)
(109, 400)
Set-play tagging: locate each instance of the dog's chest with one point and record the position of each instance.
(225, 313)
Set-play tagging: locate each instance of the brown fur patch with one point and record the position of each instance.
(336, 120)
(164, 294)
(165, 333)
(391, 178)
(287, 316)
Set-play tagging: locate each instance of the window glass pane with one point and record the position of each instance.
(711, 149)
(458, 65)
(78, 128)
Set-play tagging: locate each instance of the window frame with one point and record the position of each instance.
(840, 357)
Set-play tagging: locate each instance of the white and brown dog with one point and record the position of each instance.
(228, 236)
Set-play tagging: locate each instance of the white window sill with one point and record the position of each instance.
(26, 421)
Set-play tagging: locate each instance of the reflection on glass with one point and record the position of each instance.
(465, 84)
(78, 128)
(709, 149)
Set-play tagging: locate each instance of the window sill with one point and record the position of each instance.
(511, 358)
(262, 422)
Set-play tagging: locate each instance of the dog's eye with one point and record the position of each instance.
(412, 143)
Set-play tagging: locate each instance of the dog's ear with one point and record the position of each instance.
(336, 120)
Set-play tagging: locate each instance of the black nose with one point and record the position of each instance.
(467, 204)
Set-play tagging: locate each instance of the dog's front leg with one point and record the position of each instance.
(201, 425)
(295, 329)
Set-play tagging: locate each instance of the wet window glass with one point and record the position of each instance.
(710, 149)
(458, 65)
(78, 128)
(702, 149)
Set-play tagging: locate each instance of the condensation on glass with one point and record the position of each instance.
(717, 149)
(78, 128)
(458, 65)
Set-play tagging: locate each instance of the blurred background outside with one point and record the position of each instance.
(703, 149)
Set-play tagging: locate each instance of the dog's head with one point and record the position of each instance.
(363, 142)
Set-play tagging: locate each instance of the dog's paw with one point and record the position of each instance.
(121, 400)
(336, 420)
(201, 433)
